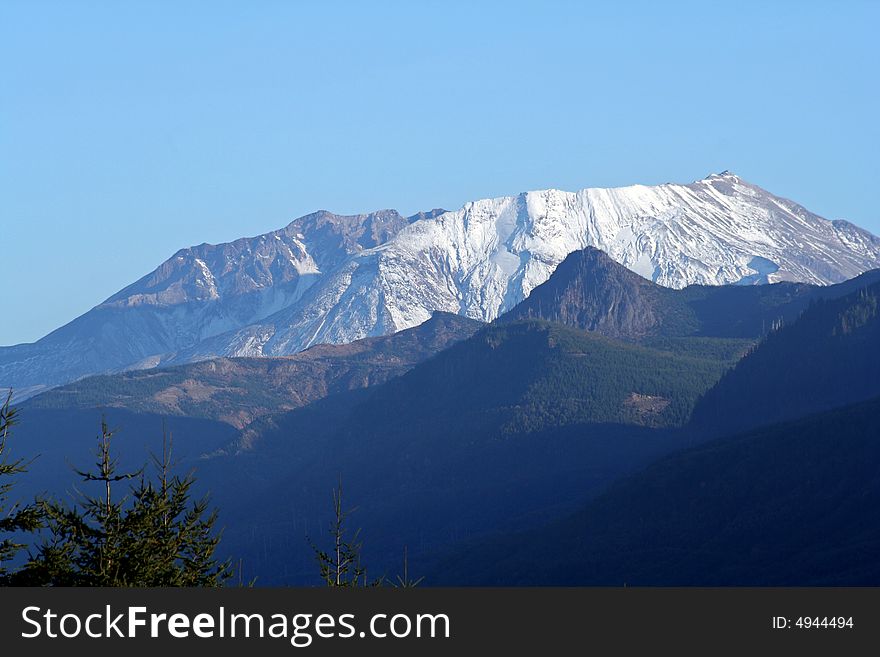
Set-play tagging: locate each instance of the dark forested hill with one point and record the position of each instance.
(829, 357)
(530, 375)
(504, 429)
(792, 504)
(508, 428)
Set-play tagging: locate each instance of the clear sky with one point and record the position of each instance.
(129, 130)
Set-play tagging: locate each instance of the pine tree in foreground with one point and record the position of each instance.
(341, 565)
(153, 535)
(404, 581)
(13, 518)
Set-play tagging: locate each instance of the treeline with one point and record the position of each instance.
(143, 528)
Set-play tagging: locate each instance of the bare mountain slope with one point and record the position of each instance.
(331, 279)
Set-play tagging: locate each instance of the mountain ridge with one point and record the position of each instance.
(592, 292)
(237, 391)
(328, 278)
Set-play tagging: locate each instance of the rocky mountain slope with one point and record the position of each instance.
(591, 291)
(331, 279)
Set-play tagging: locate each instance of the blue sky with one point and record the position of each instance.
(129, 130)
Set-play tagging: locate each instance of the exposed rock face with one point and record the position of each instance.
(332, 279)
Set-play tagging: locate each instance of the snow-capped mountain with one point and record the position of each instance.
(327, 278)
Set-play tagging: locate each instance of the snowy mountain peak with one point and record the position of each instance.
(722, 174)
(332, 278)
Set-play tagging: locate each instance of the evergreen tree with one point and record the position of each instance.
(404, 581)
(13, 518)
(155, 535)
(341, 565)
